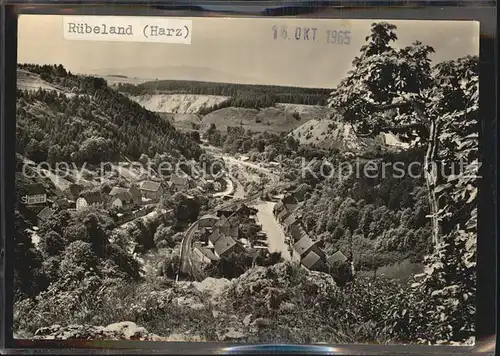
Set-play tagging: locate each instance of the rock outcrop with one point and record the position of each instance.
(125, 330)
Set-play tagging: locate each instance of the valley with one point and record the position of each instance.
(182, 210)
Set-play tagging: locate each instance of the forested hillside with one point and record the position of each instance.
(243, 95)
(90, 122)
(379, 220)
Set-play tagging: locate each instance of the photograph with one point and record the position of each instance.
(246, 180)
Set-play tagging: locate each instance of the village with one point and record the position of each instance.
(220, 235)
(225, 232)
(304, 249)
(125, 200)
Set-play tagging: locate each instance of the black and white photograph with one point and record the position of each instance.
(246, 180)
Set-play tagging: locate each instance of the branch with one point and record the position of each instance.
(393, 128)
(400, 104)
(384, 107)
(370, 134)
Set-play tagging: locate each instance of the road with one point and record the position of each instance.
(274, 231)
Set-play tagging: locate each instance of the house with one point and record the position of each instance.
(44, 215)
(290, 207)
(302, 247)
(226, 245)
(61, 203)
(209, 182)
(136, 194)
(278, 208)
(178, 184)
(117, 190)
(296, 232)
(223, 225)
(204, 254)
(57, 193)
(313, 261)
(337, 258)
(244, 210)
(122, 200)
(282, 215)
(291, 220)
(289, 198)
(234, 232)
(73, 191)
(214, 236)
(226, 213)
(125, 197)
(90, 200)
(34, 194)
(151, 190)
(208, 220)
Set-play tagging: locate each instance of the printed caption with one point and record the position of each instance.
(311, 34)
(127, 29)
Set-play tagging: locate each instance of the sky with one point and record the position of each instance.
(240, 50)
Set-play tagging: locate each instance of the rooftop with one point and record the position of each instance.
(214, 236)
(45, 213)
(124, 196)
(117, 190)
(312, 260)
(34, 189)
(223, 222)
(304, 244)
(223, 244)
(150, 186)
(292, 219)
(336, 257)
(178, 180)
(206, 251)
(92, 197)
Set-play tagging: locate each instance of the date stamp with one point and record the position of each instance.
(311, 34)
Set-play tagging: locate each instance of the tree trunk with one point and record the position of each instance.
(431, 176)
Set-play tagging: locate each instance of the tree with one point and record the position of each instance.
(28, 280)
(52, 243)
(447, 287)
(195, 136)
(78, 259)
(96, 233)
(185, 208)
(397, 90)
(124, 261)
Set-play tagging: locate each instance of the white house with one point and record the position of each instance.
(35, 194)
(90, 200)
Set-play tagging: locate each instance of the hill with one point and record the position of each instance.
(174, 73)
(94, 124)
(278, 118)
(243, 95)
(182, 122)
(178, 103)
(31, 81)
(328, 133)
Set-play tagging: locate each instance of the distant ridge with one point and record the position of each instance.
(188, 73)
